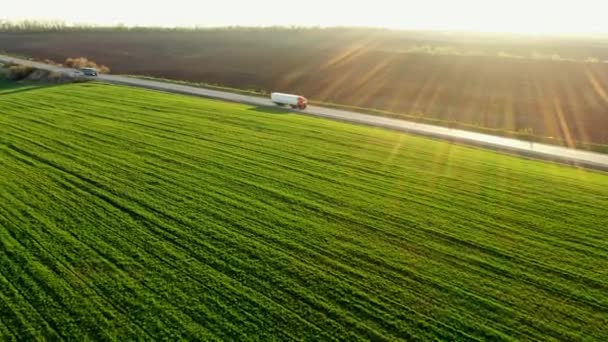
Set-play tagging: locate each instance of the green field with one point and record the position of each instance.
(129, 214)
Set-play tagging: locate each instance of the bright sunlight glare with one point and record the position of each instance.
(516, 16)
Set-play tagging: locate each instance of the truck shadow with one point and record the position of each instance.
(24, 88)
(275, 110)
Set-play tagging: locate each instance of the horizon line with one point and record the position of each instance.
(62, 24)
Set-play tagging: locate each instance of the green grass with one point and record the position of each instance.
(136, 215)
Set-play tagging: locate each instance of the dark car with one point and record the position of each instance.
(89, 71)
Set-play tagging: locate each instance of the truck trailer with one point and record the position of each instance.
(295, 101)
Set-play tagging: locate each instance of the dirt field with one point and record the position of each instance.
(463, 79)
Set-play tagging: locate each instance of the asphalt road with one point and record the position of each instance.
(530, 149)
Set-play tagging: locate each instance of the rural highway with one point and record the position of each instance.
(530, 149)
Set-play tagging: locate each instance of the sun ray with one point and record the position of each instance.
(597, 87)
(328, 93)
(574, 97)
(348, 57)
(545, 109)
(564, 128)
(350, 53)
(379, 82)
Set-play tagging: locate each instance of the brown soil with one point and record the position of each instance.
(563, 99)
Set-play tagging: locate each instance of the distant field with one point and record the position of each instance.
(130, 214)
(453, 78)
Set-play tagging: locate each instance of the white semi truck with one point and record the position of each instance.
(295, 101)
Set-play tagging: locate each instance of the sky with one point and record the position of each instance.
(517, 16)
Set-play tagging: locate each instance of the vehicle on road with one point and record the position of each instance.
(295, 101)
(89, 71)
